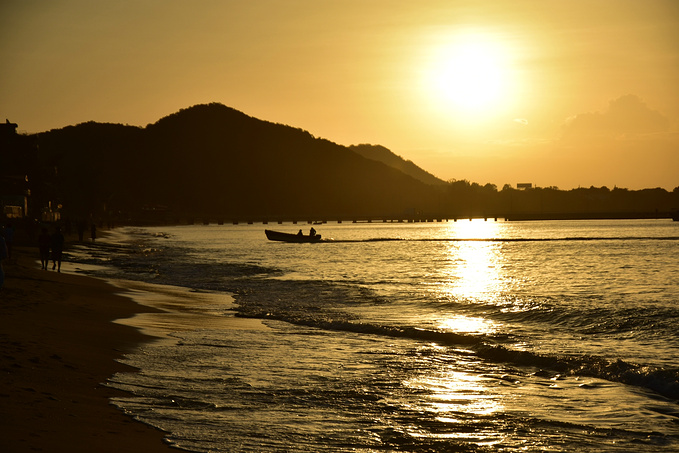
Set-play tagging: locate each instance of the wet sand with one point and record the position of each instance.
(58, 346)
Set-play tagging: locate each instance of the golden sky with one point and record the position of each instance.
(557, 93)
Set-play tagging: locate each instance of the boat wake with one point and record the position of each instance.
(559, 239)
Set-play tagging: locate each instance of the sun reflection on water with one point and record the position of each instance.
(457, 401)
(456, 390)
(475, 263)
(468, 325)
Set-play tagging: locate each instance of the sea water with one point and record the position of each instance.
(412, 337)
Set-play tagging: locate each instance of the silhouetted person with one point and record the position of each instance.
(3, 256)
(299, 233)
(312, 232)
(44, 242)
(93, 232)
(8, 233)
(81, 230)
(57, 245)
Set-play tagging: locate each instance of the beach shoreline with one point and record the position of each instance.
(59, 346)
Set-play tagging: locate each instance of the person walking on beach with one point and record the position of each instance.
(57, 244)
(44, 242)
(3, 255)
(93, 231)
(8, 233)
(81, 226)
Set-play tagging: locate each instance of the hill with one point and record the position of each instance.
(382, 154)
(212, 160)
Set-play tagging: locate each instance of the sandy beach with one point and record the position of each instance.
(58, 347)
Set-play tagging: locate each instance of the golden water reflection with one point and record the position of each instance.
(473, 325)
(473, 274)
(458, 398)
(474, 263)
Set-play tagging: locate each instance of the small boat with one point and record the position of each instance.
(290, 237)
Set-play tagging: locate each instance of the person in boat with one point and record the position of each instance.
(299, 233)
(312, 232)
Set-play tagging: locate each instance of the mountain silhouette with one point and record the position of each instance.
(212, 160)
(382, 154)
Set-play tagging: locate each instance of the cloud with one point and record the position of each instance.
(523, 121)
(626, 116)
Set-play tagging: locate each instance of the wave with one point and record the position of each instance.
(574, 314)
(660, 380)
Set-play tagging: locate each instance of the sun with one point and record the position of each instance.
(468, 73)
(470, 76)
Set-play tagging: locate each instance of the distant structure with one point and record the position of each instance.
(524, 185)
(13, 190)
(18, 173)
(8, 129)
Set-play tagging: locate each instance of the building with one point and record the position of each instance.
(16, 155)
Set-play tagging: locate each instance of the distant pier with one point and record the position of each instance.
(353, 220)
(320, 220)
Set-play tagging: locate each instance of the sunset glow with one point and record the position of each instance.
(346, 225)
(491, 91)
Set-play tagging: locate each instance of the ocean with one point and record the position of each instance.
(479, 336)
